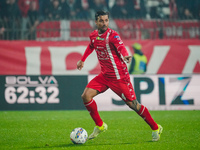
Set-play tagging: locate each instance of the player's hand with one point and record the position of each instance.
(128, 59)
(80, 65)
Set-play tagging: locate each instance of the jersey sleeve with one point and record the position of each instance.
(88, 51)
(118, 43)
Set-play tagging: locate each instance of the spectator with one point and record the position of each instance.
(137, 8)
(187, 14)
(84, 8)
(73, 9)
(97, 5)
(139, 60)
(2, 29)
(56, 11)
(173, 9)
(24, 7)
(44, 6)
(33, 15)
(180, 8)
(188, 7)
(120, 9)
(196, 9)
(65, 9)
(12, 18)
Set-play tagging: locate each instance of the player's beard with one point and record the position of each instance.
(103, 29)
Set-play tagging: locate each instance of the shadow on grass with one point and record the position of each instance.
(75, 145)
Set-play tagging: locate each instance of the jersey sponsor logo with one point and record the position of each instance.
(99, 38)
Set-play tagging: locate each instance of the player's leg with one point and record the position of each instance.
(91, 105)
(126, 92)
(94, 87)
(144, 113)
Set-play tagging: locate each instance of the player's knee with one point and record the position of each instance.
(86, 97)
(88, 94)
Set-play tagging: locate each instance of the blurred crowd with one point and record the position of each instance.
(19, 15)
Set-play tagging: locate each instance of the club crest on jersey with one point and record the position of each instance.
(98, 38)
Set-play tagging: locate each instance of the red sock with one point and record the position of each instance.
(92, 108)
(144, 113)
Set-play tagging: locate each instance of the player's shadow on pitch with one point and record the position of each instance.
(75, 145)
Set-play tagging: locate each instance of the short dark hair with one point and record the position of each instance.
(101, 13)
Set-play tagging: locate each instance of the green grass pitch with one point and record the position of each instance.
(50, 130)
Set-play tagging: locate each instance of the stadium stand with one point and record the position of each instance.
(73, 19)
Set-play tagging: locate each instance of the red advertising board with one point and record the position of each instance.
(60, 58)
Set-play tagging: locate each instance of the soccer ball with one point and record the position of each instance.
(79, 136)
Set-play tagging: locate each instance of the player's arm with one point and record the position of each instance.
(127, 58)
(118, 43)
(87, 52)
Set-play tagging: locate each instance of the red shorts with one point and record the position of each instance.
(123, 87)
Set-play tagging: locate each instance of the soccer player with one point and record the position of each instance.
(112, 56)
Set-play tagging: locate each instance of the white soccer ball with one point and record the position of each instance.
(79, 136)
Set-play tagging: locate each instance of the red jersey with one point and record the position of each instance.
(110, 51)
(24, 6)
